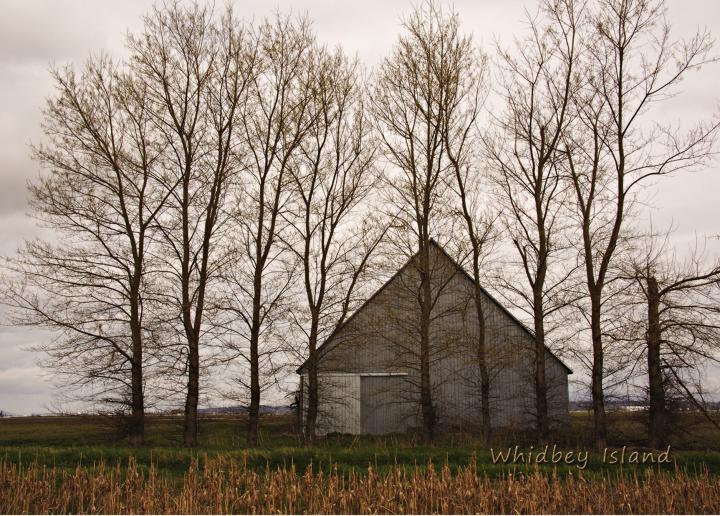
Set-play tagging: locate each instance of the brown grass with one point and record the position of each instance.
(220, 485)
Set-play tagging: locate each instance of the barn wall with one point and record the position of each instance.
(558, 392)
(382, 407)
(339, 404)
(370, 403)
(383, 337)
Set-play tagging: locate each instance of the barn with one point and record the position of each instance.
(369, 368)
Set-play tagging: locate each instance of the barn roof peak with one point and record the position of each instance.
(463, 272)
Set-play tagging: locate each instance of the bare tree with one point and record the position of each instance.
(538, 82)
(92, 284)
(197, 72)
(631, 64)
(677, 322)
(334, 174)
(409, 99)
(465, 70)
(275, 118)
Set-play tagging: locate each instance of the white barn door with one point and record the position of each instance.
(339, 404)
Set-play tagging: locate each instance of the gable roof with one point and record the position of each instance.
(464, 273)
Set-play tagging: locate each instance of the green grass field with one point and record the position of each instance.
(70, 441)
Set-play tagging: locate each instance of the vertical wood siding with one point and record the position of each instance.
(382, 407)
(338, 404)
(383, 337)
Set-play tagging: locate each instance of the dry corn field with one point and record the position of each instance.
(222, 486)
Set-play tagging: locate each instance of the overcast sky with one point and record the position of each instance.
(35, 33)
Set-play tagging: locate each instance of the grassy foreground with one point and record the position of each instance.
(64, 442)
(80, 464)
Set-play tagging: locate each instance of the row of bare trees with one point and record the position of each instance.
(559, 157)
(222, 197)
(577, 141)
(186, 185)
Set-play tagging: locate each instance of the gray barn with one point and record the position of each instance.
(368, 370)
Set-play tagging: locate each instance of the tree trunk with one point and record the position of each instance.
(657, 391)
(425, 298)
(137, 417)
(312, 397)
(136, 434)
(485, 423)
(190, 430)
(254, 409)
(598, 394)
(484, 382)
(300, 399)
(541, 404)
(538, 287)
